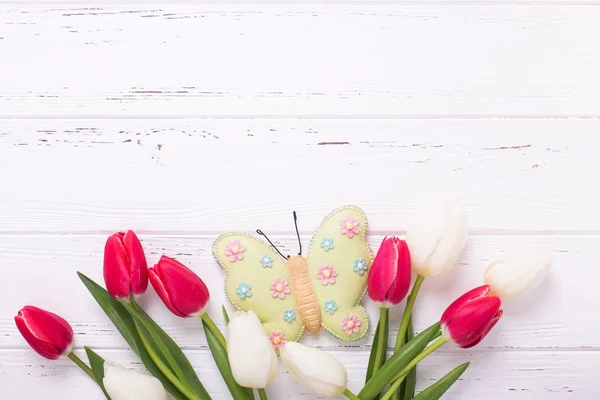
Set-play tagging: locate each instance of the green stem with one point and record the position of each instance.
(73, 357)
(163, 368)
(350, 395)
(382, 339)
(262, 394)
(406, 318)
(213, 328)
(404, 371)
(410, 302)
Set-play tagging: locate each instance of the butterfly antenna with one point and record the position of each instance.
(261, 233)
(297, 233)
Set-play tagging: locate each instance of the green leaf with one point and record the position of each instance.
(220, 355)
(115, 311)
(435, 391)
(407, 390)
(123, 321)
(399, 360)
(97, 364)
(225, 316)
(379, 347)
(159, 335)
(154, 340)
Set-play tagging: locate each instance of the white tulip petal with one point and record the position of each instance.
(251, 355)
(436, 236)
(319, 372)
(517, 272)
(125, 384)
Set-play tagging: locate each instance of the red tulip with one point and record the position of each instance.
(470, 317)
(182, 291)
(47, 333)
(389, 277)
(125, 268)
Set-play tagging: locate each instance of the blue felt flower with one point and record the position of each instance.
(244, 290)
(327, 243)
(289, 315)
(266, 261)
(330, 306)
(360, 266)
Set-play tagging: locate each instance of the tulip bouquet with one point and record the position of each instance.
(245, 355)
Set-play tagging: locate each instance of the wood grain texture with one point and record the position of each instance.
(183, 121)
(298, 60)
(189, 175)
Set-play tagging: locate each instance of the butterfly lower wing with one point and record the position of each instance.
(338, 262)
(257, 279)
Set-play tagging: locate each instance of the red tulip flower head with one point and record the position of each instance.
(125, 268)
(470, 317)
(182, 291)
(389, 277)
(47, 333)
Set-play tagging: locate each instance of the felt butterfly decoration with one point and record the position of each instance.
(289, 294)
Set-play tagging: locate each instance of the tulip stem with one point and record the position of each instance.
(410, 302)
(262, 394)
(350, 395)
(406, 317)
(161, 365)
(213, 328)
(404, 371)
(73, 357)
(382, 339)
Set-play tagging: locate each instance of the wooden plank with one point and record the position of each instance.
(214, 175)
(496, 375)
(554, 316)
(293, 60)
(84, 3)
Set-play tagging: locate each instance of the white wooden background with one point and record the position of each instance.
(182, 121)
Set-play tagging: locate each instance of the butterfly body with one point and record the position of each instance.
(289, 294)
(307, 303)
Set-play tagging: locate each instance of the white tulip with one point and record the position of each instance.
(517, 272)
(125, 384)
(251, 355)
(319, 372)
(436, 236)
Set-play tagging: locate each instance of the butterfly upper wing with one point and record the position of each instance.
(339, 250)
(251, 267)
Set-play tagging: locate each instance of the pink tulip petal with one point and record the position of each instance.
(159, 288)
(47, 333)
(383, 270)
(401, 283)
(462, 300)
(138, 268)
(471, 322)
(186, 292)
(116, 267)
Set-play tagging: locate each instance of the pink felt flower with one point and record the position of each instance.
(351, 324)
(279, 288)
(327, 274)
(277, 339)
(349, 226)
(235, 250)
